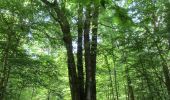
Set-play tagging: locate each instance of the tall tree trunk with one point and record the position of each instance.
(110, 77)
(130, 89)
(94, 47)
(167, 3)
(6, 68)
(79, 53)
(77, 81)
(88, 85)
(67, 38)
(114, 70)
(116, 85)
(71, 62)
(48, 95)
(126, 92)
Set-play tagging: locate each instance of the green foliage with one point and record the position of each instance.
(133, 47)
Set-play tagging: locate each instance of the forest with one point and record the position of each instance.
(84, 49)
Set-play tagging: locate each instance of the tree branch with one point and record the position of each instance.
(107, 26)
(48, 3)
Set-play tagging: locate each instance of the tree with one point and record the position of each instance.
(90, 48)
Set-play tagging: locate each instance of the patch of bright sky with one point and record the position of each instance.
(99, 40)
(4, 11)
(47, 19)
(36, 49)
(74, 46)
(74, 21)
(30, 34)
(120, 3)
(135, 18)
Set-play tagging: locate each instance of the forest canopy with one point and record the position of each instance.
(84, 49)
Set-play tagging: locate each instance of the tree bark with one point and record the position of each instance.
(168, 20)
(78, 92)
(80, 53)
(6, 69)
(130, 89)
(67, 38)
(110, 77)
(115, 73)
(88, 85)
(94, 48)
